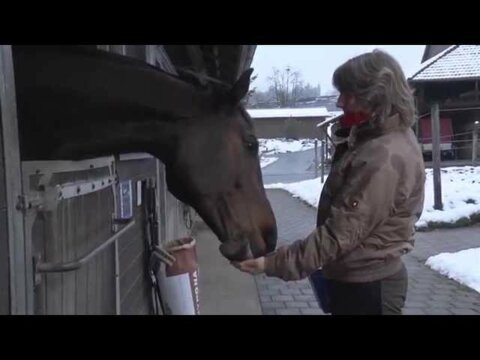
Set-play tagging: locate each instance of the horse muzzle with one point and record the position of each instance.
(236, 250)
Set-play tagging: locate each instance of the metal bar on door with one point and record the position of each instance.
(42, 267)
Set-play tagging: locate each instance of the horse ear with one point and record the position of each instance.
(240, 88)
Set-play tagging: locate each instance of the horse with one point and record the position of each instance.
(76, 103)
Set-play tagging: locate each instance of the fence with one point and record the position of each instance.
(457, 147)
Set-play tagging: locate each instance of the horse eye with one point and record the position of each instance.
(252, 145)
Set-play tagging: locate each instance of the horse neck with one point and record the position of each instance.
(100, 103)
(150, 135)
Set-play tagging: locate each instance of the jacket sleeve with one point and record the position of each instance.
(361, 205)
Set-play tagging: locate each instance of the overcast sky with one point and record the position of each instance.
(317, 63)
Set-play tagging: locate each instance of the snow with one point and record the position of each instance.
(288, 112)
(267, 161)
(307, 190)
(460, 194)
(462, 266)
(282, 145)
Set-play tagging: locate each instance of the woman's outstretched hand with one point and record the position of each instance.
(251, 266)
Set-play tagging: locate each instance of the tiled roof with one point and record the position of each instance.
(454, 63)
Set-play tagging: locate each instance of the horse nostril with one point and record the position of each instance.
(270, 238)
(235, 251)
(271, 246)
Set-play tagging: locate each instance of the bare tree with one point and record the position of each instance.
(286, 85)
(286, 89)
(309, 91)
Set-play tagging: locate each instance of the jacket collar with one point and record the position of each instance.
(361, 133)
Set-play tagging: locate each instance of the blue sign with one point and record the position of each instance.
(126, 208)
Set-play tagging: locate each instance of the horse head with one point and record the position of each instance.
(215, 168)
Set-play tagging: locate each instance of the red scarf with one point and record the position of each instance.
(350, 119)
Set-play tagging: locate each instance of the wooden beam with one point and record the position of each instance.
(196, 58)
(210, 60)
(229, 62)
(20, 252)
(158, 56)
(250, 55)
(244, 59)
(437, 181)
(216, 62)
(417, 128)
(476, 127)
(461, 105)
(476, 90)
(241, 60)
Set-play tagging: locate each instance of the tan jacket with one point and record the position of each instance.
(367, 210)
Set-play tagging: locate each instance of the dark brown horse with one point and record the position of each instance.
(75, 103)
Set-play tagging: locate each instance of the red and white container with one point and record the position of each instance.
(179, 281)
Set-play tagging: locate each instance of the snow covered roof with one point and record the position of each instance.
(288, 112)
(454, 63)
(334, 116)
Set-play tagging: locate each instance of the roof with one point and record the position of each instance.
(288, 112)
(458, 62)
(432, 50)
(223, 62)
(334, 116)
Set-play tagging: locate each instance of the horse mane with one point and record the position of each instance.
(199, 81)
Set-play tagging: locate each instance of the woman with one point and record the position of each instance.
(371, 200)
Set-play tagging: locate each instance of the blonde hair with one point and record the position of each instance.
(377, 81)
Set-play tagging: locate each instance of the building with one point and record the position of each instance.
(292, 123)
(449, 76)
(102, 261)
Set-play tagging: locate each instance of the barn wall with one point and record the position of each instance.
(297, 128)
(4, 272)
